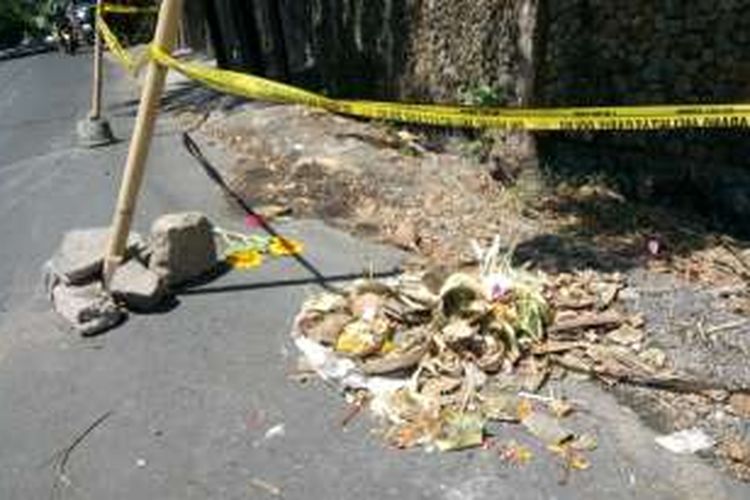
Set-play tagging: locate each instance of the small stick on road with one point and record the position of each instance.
(62, 457)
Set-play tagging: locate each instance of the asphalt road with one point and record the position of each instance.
(193, 391)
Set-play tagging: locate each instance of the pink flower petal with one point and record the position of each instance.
(253, 221)
(654, 247)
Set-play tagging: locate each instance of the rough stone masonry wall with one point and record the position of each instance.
(457, 45)
(412, 49)
(352, 48)
(620, 52)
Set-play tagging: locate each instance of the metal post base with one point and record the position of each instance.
(94, 132)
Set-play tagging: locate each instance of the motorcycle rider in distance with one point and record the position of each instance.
(65, 27)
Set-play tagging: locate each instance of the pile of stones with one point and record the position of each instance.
(179, 249)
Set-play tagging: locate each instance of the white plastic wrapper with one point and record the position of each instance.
(686, 442)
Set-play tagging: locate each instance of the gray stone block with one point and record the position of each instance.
(79, 259)
(138, 287)
(94, 132)
(182, 247)
(88, 309)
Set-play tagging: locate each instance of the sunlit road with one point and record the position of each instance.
(40, 99)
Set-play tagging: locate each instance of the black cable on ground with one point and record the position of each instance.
(216, 177)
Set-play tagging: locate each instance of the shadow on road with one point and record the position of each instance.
(245, 287)
(186, 97)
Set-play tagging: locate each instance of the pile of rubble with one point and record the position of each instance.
(180, 248)
(439, 356)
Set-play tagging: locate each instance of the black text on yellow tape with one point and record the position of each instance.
(635, 123)
(626, 118)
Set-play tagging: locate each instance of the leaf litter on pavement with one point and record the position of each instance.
(438, 356)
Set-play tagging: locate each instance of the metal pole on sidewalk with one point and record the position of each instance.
(96, 98)
(166, 32)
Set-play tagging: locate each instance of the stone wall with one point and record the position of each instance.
(645, 51)
(456, 45)
(417, 49)
(346, 47)
(621, 52)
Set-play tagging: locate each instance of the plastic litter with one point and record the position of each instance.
(686, 442)
(275, 432)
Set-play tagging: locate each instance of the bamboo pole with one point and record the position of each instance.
(166, 33)
(96, 98)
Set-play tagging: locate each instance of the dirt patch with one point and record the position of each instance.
(370, 179)
(433, 196)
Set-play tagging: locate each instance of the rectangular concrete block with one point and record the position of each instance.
(80, 257)
(138, 287)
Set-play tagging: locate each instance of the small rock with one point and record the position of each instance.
(740, 404)
(271, 212)
(654, 357)
(89, 309)
(717, 395)
(137, 286)
(183, 247)
(406, 236)
(94, 132)
(607, 293)
(626, 335)
(80, 257)
(737, 450)
(637, 321)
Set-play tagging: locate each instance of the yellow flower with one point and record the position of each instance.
(282, 247)
(245, 259)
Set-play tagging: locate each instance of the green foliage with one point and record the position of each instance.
(480, 143)
(11, 24)
(17, 17)
(482, 96)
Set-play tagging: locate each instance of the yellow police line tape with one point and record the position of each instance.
(110, 8)
(621, 118)
(595, 118)
(123, 56)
